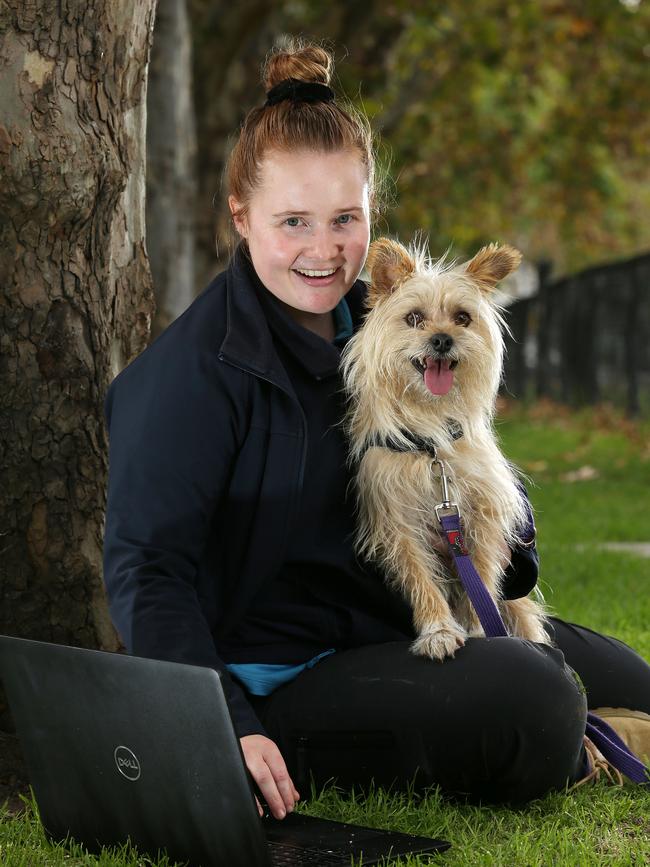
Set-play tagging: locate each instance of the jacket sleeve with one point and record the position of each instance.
(523, 570)
(521, 573)
(173, 428)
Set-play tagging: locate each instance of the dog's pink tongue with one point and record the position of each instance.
(438, 378)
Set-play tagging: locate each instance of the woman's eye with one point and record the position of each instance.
(462, 318)
(414, 318)
(345, 219)
(292, 221)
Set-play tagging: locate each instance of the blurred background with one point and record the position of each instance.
(509, 121)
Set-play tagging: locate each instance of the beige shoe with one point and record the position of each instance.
(632, 726)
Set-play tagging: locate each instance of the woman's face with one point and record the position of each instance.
(309, 214)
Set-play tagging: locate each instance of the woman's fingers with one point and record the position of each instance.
(268, 769)
(279, 782)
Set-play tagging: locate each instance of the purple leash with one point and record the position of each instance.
(597, 730)
(487, 611)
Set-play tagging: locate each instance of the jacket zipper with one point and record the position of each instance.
(303, 418)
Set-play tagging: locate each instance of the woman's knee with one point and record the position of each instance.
(502, 721)
(516, 731)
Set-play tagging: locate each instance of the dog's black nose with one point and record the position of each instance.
(441, 343)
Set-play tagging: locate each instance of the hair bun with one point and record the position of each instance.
(302, 60)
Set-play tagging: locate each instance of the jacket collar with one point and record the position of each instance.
(248, 342)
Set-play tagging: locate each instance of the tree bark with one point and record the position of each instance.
(77, 299)
(171, 159)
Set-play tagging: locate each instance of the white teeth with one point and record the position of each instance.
(315, 273)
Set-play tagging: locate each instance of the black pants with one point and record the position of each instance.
(502, 721)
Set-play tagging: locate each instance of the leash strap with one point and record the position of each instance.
(616, 751)
(483, 603)
(603, 735)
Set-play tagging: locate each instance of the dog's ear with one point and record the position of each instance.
(388, 264)
(493, 263)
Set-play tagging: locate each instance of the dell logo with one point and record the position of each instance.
(127, 763)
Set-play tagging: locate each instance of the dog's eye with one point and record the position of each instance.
(414, 318)
(462, 318)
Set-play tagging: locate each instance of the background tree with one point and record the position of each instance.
(77, 297)
(524, 121)
(171, 164)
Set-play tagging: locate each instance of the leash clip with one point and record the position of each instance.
(446, 510)
(446, 507)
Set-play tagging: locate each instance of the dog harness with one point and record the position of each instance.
(600, 733)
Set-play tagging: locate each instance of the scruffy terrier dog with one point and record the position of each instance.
(425, 367)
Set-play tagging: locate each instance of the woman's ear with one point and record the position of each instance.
(239, 219)
(389, 263)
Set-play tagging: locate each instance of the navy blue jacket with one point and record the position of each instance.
(207, 449)
(207, 454)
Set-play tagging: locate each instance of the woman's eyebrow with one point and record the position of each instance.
(308, 213)
(293, 214)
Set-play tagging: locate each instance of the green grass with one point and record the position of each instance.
(605, 590)
(583, 582)
(597, 825)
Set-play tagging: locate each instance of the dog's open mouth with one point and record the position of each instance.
(438, 373)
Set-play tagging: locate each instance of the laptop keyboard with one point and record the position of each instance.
(283, 855)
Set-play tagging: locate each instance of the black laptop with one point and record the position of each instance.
(120, 747)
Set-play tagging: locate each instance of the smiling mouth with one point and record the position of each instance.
(308, 272)
(437, 373)
(427, 363)
(317, 277)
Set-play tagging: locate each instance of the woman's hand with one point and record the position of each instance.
(265, 762)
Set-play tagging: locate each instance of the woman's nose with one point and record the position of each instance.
(323, 245)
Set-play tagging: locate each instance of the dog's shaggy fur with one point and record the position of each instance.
(430, 354)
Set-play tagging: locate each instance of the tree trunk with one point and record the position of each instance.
(171, 159)
(77, 299)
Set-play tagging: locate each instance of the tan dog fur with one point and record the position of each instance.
(397, 491)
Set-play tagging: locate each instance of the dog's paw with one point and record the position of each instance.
(440, 642)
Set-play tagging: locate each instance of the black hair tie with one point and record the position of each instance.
(299, 91)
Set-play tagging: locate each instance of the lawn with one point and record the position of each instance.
(590, 484)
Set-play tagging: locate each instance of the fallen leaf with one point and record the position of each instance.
(536, 466)
(584, 474)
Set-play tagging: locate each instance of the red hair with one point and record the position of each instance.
(288, 126)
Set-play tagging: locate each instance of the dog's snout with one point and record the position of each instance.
(441, 343)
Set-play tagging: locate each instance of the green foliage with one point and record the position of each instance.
(524, 121)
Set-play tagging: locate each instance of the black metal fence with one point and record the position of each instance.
(585, 338)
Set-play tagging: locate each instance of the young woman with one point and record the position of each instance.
(229, 523)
